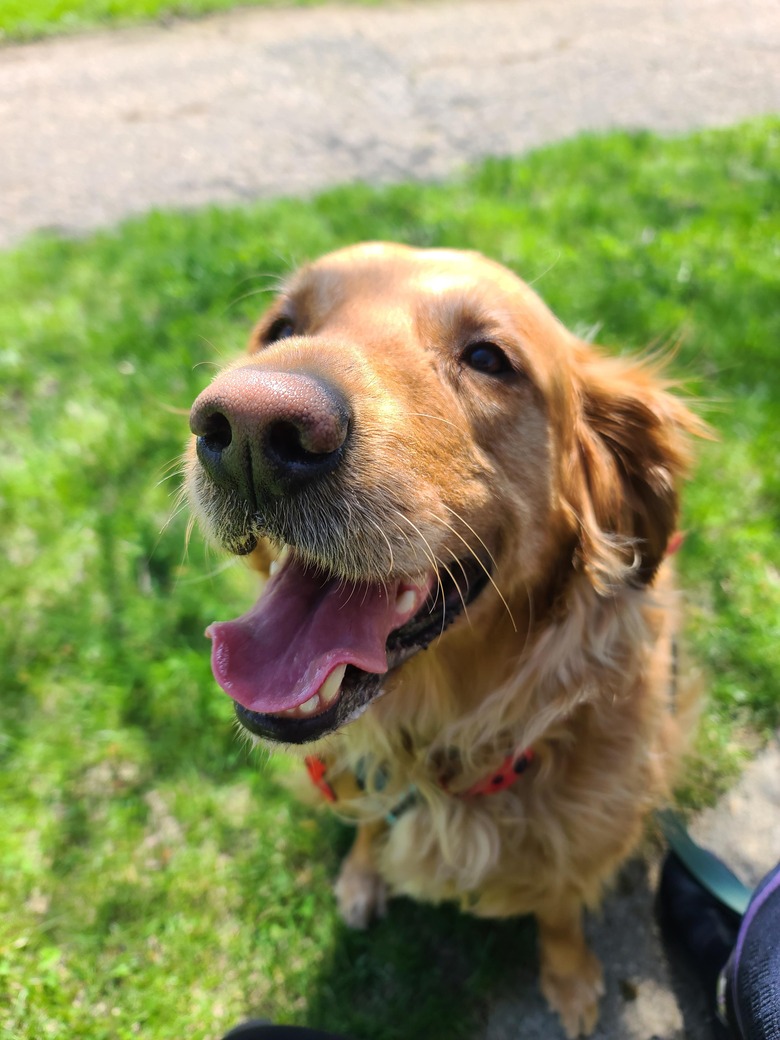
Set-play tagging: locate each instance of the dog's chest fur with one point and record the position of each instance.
(598, 764)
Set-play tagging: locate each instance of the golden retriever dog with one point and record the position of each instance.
(465, 515)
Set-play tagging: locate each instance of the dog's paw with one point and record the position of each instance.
(575, 996)
(361, 895)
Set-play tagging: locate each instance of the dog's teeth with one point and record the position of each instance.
(310, 706)
(329, 690)
(277, 563)
(405, 602)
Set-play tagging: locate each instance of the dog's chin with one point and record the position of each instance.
(359, 689)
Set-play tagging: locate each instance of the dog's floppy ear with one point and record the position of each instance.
(630, 450)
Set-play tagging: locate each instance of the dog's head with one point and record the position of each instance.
(411, 432)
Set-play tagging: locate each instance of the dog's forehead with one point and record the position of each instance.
(406, 276)
(439, 291)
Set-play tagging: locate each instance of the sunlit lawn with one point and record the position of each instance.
(157, 882)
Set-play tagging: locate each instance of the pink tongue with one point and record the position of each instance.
(278, 654)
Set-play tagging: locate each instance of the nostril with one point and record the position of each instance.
(264, 432)
(284, 441)
(216, 432)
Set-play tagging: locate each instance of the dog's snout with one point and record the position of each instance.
(261, 431)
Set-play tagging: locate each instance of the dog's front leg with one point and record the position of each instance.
(571, 976)
(361, 892)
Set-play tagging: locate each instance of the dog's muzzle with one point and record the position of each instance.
(315, 649)
(263, 433)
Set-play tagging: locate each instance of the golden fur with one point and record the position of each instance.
(565, 476)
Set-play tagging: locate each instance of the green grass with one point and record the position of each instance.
(156, 882)
(29, 19)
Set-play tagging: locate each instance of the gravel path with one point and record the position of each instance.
(262, 103)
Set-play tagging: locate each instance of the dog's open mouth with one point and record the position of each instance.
(313, 652)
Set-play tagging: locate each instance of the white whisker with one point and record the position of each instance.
(224, 566)
(430, 555)
(387, 540)
(488, 575)
(457, 516)
(437, 418)
(458, 590)
(546, 271)
(248, 295)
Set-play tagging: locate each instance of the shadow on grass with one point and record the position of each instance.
(422, 973)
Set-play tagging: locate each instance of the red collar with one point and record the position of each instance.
(317, 770)
(510, 770)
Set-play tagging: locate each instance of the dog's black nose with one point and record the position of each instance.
(269, 432)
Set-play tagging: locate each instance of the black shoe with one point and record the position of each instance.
(254, 1029)
(261, 1029)
(697, 927)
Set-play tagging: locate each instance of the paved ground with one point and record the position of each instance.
(644, 1000)
(261, 103)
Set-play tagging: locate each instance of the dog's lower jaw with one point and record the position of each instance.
(358, 691)
(434, 606)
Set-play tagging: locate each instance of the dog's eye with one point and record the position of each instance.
(487, 358)
(282, 328)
